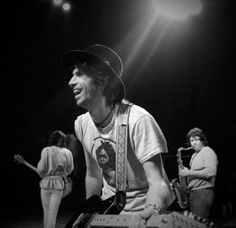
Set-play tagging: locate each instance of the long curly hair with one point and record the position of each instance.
(57, 138)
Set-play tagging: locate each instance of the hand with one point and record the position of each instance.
(180, 149)
(184, 172)
(139, 220)
(18, 158)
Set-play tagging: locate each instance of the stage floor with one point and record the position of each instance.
(34, 219)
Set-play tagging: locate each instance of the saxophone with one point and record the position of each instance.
(180, 186)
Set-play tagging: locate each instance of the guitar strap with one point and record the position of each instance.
(121, 147)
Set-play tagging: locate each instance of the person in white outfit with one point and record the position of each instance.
(56, 161)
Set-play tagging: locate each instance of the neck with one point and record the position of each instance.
(198, 149)
(102, 115)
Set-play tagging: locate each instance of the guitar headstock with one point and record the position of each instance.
(18, 158)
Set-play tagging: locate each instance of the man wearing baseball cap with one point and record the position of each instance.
(97, 86)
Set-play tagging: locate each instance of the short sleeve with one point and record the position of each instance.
(148, 138)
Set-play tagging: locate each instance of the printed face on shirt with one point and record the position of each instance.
(106, 158)
(86, 93)
(196, 143)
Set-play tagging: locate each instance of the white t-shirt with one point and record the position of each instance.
(145, 140)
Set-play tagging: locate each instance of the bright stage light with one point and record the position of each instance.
(66, 6)
(178, 9)
(57, 2)
(159, 18)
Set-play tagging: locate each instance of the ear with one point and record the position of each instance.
(103, 83)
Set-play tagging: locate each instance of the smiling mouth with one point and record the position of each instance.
(77, 92)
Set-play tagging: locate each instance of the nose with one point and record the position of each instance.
(195, 142)
(72, 81)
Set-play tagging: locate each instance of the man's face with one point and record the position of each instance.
(85, 91)
(196, 143)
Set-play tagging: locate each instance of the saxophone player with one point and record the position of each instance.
(201, 174)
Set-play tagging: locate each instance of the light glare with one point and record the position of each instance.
(57, 2)
(178, 9)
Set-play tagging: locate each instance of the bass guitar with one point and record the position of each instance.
(18, 158)
(67, 181)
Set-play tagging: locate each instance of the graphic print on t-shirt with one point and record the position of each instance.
(105, 153)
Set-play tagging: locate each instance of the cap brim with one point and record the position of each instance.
(71, 58)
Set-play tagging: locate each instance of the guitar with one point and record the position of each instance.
(67, 181)
(168, 220)
(94, 205)
(18, 158)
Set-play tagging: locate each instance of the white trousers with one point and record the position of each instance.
(51, 200)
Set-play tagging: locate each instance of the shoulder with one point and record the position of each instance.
(142, 122)
(208, 152)
(83, 124)
(45, 150)
(67, 153)
(65, 150)
(141, 117)
(45, 153)
(83, 119)
(207, 149)
(136, 112)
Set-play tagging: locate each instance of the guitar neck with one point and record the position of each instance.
(173, 219)
(31, 167)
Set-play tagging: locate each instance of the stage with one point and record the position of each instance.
(34, 219)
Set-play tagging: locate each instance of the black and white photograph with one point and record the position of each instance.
(118, 113)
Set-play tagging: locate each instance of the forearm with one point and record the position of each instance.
(158, 195)
(158, 192)
(203, 173)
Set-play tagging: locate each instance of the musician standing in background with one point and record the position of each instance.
(202, 173)
(97, 87)
(56, 161)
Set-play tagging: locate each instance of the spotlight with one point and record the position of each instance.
(66, 6)
(57, 2)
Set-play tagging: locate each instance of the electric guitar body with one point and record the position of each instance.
(94, 205)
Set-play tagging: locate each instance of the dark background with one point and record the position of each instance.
(182, 72)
